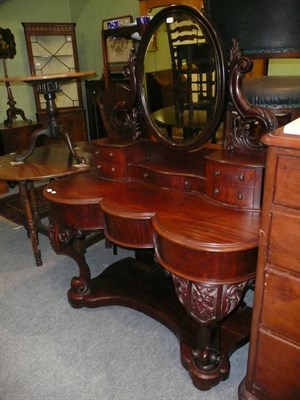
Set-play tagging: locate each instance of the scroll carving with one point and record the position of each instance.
(60, 237)
(125, 114)
(208, 303)
(245, 131)
(63, 240)
(232, 295)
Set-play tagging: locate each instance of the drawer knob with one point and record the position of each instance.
(216, 191)
(240, 196)
(242, 177)
(99, 166)
(146, 175)
(97, 152)
(186, 183)
(217, 173)
(113, 169)
(111, 154)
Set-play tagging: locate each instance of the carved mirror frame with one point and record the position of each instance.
(220, 67)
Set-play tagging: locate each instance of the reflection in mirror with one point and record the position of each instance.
(180, 73)
(180, 57)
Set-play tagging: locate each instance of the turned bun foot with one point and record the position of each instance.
(208, 368)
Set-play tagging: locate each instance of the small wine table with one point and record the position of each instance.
(49, 85)
(43, 162)
(47, 162)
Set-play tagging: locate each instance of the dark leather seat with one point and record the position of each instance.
(273, 91)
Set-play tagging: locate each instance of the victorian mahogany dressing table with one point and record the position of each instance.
(191, 203)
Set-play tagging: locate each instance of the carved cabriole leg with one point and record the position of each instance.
(63, 241)
(208, 304)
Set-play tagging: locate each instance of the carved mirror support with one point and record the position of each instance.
(246, 122)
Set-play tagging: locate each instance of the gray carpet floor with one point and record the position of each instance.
(51, 351)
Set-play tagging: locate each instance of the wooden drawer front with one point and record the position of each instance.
(109, 154)
(277, 369)
(179, 182)
(112, 170)
(197, 185)
(186, 183)
(141, 173)
(233, 175)
(284, 248)
(287, 190)
(281, 296)
(239, 197)
(162, 180)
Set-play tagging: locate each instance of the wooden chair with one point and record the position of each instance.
(192, 67)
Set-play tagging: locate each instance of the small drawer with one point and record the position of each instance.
(287, 188)
(159, 179)
(141, 173)
(239, 197)
(276, 369)
(284, 288)
(233, 175)
(284, 248)
(108, 153)
(173, 181)
(196, 185)
(111, 170)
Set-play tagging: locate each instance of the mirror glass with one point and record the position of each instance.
(181, 76)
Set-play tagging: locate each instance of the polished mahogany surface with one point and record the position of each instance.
(46, 162)
(189, 208)
(218, 228)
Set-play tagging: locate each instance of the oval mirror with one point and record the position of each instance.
(181, 77)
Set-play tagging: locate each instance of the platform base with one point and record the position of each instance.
(148, 289)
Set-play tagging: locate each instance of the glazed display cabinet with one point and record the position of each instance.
(52, 49)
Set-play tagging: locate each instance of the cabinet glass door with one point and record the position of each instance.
(52, 49)
(52, 55)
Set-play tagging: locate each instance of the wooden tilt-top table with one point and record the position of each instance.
(47, 162)
(49, 85)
